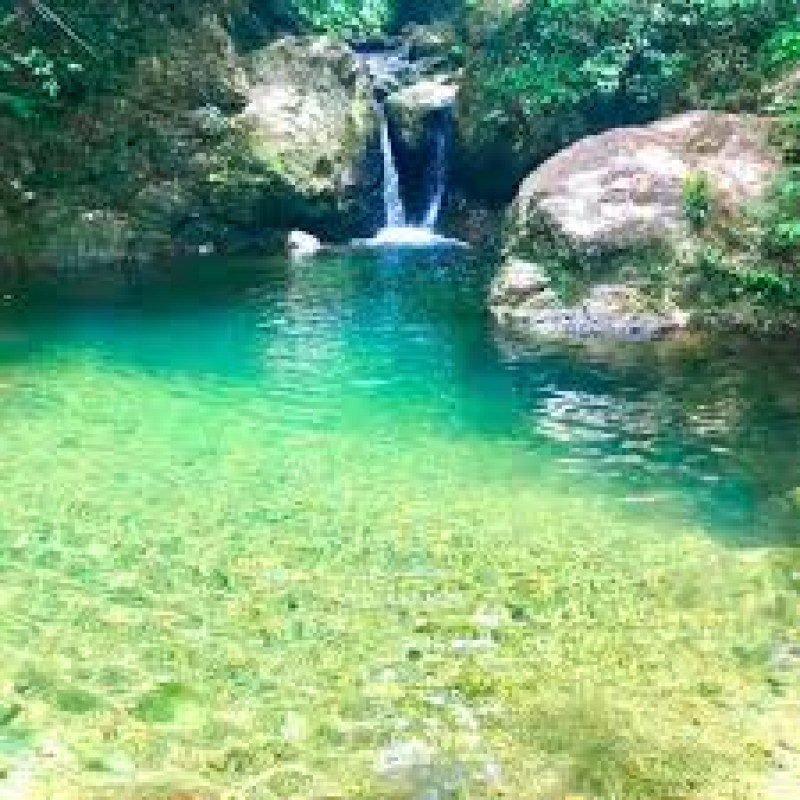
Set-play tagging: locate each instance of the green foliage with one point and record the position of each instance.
(53, 54)
(783, 48)
(766, 283)
(342, 17)
(780, 221)
(352, 17)
(345, 16)
(697, 198)
(542, 74)
(33, 79)
(780, 218)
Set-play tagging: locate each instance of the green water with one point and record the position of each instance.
(320, 532)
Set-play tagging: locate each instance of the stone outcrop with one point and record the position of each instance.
(313, 130)
(601, 221)
(410, 110)
(523, 299)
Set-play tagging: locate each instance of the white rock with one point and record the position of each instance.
(302, 244)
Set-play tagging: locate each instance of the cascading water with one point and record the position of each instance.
(438, 181)
(394, 213)
(410, 211)
(397, 230)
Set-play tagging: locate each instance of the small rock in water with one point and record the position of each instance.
(302, 244)
(492, 772)
(472, 645)
(294, 728)
(488, 618)
(401, 759)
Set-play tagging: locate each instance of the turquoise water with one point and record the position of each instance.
(319, 530)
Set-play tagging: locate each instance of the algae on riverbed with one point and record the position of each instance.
(332, 577)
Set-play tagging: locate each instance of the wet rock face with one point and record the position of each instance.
(314, 132)
(523, 300)
(81, 242)
(412, 108)
(610, 211)
(419, 116)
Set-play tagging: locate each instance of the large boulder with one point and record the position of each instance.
(599, 224)
(313, 129)
(412, 109)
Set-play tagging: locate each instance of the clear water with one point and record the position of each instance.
(318, 531)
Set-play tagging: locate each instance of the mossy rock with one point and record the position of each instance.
(313, 135)
(611, 209)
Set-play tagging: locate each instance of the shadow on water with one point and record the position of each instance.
(403, 334)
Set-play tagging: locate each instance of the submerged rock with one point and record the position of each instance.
(604, 220)
(403, 758)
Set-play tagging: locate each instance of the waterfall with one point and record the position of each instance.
(415, 153)
(438, 179)
(411, 222)
(394, 213)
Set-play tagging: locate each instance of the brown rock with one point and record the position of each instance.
(606, 216)
(624, 187)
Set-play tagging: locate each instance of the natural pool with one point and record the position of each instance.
(318, 531)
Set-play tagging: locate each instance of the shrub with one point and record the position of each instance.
(697, 200)
(343, 17)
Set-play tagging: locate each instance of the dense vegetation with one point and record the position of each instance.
(541, 77)
(767, 240)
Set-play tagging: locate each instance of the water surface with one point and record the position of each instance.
(318, 530)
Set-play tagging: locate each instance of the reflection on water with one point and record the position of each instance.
(390, 337)
(715, 422)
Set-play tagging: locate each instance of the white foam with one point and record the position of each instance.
(409, 236)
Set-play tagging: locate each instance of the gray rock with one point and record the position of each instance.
(411, 109)
(313, 132)
(625, 187)
(522, 299)
(519, 281)
(607, 215)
